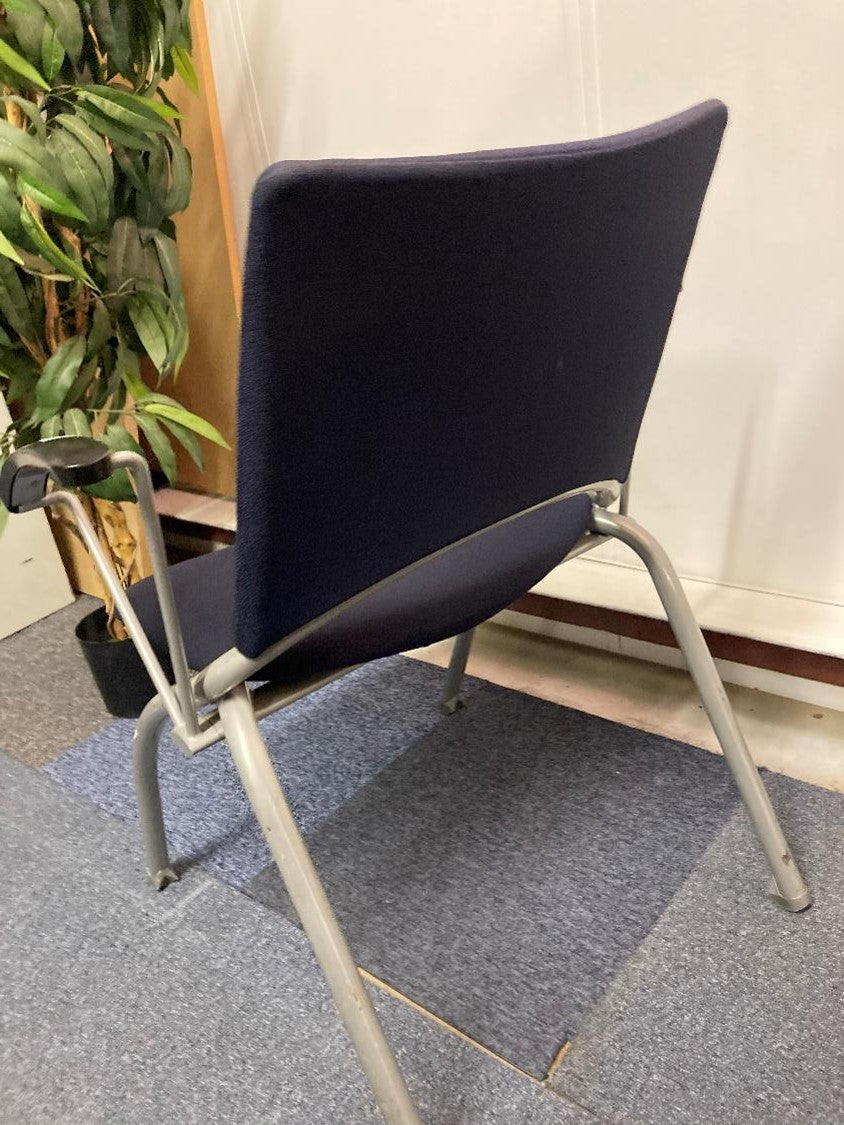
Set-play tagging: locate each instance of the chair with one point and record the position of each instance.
(445, 363)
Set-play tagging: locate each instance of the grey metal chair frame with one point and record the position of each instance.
(235, 712)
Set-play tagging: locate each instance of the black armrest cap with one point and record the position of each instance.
(70, 461)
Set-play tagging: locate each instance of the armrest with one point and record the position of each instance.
(73, 462)
(70, 461)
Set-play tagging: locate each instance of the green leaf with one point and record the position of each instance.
(163, 109)
(75, 423)
(178, 194)
(27, 155)
(168, 256)
(132, 264)
(93, 144)
(129, 110)
(4, 516)
(135, 385)
(187, 439)
(26, 6)
(52, 427)
(184, 67)
(150, 204)
(11, 59)
(119, 486)
(68, 25)
(35, 229)
(159, 444)
(21, 372)
(83, 177)
(49, 198)
(107, 127)
(37, 266)
(10, 205)
(150, 329)
(55, 380)
(52, 51)
(9, 250)
(120, 51)
(101, 331)
(26, 19)
(82, 381)
(171, 29)
(13, 301)
(118, 439)
(127, 371)
(171, 320)
(103, 26)
(132, 165)
(185, 418)
(124, 253)
(32, 112)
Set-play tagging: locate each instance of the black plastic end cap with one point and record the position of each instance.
(71, 462)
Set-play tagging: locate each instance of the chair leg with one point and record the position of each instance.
(788, 888)
(450, 700)
(311, 903)
(145, 763)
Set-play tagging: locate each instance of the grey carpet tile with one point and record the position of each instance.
(732, 1011)
(48, 699)
(325, 747)
(503, 869)
(195, 1005)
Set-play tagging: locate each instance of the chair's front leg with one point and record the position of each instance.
(450, 700)
(311, 903)
(790, 889)
(145, 764)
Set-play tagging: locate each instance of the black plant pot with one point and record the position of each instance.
(118, 671)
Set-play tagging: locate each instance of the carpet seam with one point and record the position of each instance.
(389, 990)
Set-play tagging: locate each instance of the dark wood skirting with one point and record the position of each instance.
(725, 646)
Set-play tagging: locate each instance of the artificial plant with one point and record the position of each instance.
(92, 169)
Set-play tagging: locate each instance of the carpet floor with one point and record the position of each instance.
(325, 748)
(530, 874)
(48, 698)
(504, 867)
(732, 1010)
(196, 1006)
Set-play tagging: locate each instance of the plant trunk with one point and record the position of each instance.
(119, 530)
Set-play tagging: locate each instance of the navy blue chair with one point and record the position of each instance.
(445, 363)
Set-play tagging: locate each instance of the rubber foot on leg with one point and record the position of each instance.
(163, 878)
(450, 706)
(796, 904)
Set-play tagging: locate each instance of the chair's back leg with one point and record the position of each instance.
(450, 699)
(311, 903)
(145, 764)
(790, 888)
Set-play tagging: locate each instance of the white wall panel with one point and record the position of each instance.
(391, 77)
(32, 578)
(740, 460)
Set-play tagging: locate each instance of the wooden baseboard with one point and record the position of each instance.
(724, 646)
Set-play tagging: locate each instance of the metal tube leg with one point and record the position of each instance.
(308, 897)
(789, 889)
(450, 700)
(145, 764)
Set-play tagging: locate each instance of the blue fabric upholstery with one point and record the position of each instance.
(443, 596)
(431, 345)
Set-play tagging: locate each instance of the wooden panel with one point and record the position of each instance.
(207, 383)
